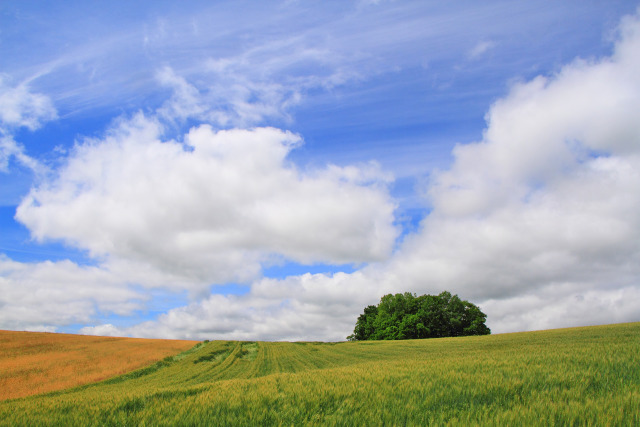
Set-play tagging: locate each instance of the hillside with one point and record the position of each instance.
(569, 376)
(38, 362)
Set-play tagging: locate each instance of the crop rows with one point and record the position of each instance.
(579, 376)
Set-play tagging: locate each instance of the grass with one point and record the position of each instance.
(577, 376)
(36, 362)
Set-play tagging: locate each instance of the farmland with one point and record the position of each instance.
(577, 376)
(36, 362)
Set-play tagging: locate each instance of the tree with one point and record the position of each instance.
(407, 316)
(364, 326)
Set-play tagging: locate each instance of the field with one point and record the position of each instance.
(577, 376)
(34, 362)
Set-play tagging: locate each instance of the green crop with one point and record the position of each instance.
(577, 376)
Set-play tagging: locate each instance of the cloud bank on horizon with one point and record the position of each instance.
(538, 222)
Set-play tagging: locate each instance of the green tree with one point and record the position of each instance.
(364, 326)
(391, 310)
(407, 316)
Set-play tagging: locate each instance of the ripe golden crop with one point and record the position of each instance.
(37, 362)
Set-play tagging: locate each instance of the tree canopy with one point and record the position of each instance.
(407, 316)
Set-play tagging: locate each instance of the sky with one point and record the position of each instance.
(265, 170)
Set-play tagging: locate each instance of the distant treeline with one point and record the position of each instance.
(407, 316)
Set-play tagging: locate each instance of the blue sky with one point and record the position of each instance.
(264, 170)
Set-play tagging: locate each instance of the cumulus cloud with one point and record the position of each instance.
(545, 208)
(308, 307)
(537, 223)
(210, 210)
(549, 308)
(46, 295)
(106, 330)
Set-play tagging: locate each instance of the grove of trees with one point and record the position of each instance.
(407, 316)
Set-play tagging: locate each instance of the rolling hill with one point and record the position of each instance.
(576, 376)
(38, 362)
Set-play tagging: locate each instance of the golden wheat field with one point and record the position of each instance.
(38, 362)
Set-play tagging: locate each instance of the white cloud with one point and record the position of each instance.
(43, 296)
(260, 84)
(537, 223)
(307, 307)
(266, 81)
(549, 308)
(20, 108)
(185, 101)
(210, 210)
(107, 330)
(546, 206)
(8, 149)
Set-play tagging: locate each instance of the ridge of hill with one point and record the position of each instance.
(576, 376)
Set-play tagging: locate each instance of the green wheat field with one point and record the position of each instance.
(576, 376)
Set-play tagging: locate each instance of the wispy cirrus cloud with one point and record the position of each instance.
(252, 69)
(481, 48)
(20, 108)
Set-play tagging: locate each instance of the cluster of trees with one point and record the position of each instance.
(407, 316)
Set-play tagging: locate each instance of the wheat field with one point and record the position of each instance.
(38, 362)
(577, 376)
